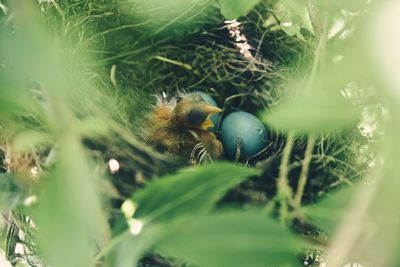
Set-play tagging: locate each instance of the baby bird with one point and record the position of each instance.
(180, 127)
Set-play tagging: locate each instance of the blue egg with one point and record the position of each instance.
(214, 118)
(245, 128)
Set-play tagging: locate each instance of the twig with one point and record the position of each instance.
(284, 190)
(171, 61)
(304, 171)
(320, 35)
(320, 50)
(315, 18)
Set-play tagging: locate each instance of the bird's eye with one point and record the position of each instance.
(196, 117)
(178, 98)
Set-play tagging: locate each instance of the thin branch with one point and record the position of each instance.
(304, 171)
(284, 190)
(320, 32)
(174, 62)
(315, 17)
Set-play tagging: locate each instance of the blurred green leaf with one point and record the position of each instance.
(234, 9)
(316, 112)
(13, 92)
(128, 252)
(29, 139)
(70, 219)
(188, 193)
(30, 54)
(173, 16)
(165, 202)
(339, 5)
(328, 213)
(234, 239)
(293, 17)
(10, 194)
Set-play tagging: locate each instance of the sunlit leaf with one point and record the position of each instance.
(159, 16)
(188, 193)
(318, 112)
(328, 213)
(293, 17)
(234, 239)
(233, 9)
(339, 5)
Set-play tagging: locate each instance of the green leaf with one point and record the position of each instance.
(128, 252)
(10, 194)
(188, 193)
(233, 9)
(339, 5)
(293, 17)
(69, 215)
(328, 213)
(28, 139)
(173, 16)
(164, 203)
(318, 112)
(234, 239)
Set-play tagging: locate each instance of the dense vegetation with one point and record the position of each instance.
(80, 187)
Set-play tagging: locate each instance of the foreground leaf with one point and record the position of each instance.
(234, 239)
(128, 252)
(188, 193)
(70, 219)
(319, 112)
(328, 213)
(164, 203)
(10, 194)
(233, 9)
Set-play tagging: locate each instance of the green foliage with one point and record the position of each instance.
(10, 195)
(292, 17)
(66, 215)
(234, 9)
(316, 112)
(353, 6)
(189, 193)
(329, 212)
(234, 239)
(72, 74)
(177, 16)
(166, 203)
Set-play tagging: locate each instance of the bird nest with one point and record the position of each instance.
(239, 63)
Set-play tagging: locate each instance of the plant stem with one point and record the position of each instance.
(115, 241)
(318, 55)
(315, 18)
(171, 61)
(304, 171)
(320, 32)
(284, 190)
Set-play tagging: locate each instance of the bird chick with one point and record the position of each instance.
(180, 127)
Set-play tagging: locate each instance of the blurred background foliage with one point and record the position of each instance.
(78, 77)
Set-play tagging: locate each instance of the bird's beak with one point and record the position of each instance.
(210, 110)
